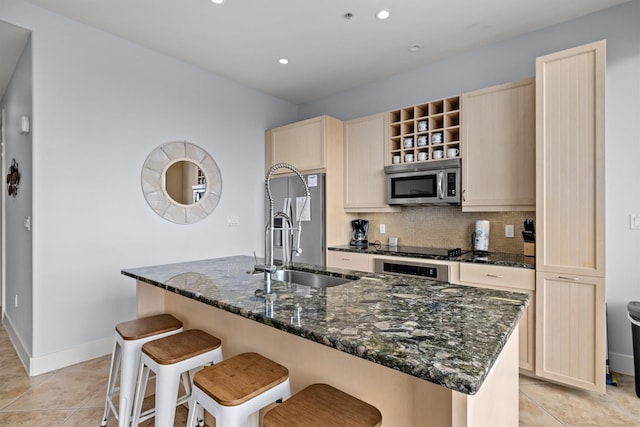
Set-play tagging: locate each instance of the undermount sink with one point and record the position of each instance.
(314, 280)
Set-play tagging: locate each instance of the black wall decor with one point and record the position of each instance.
(13, 178)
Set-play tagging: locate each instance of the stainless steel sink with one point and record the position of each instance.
(314, 280)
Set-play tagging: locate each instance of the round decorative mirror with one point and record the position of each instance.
(181, 182)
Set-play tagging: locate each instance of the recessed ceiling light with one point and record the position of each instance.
(217, 1)
(383, 14)
(415, 47)
(283, 61)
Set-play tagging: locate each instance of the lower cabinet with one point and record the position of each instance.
(571, 330)
(509, 279)
(350, 261)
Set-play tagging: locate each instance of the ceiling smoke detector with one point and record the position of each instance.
(415, 47)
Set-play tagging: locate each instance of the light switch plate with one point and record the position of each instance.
(634, 221)
(508, 230)
(383, 228)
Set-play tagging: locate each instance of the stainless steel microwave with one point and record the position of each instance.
(424, 183)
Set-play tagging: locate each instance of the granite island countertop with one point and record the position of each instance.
(492, 258)
(447, 334)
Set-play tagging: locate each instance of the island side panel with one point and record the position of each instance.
(497, 401)
(149, 299)
(403, 400)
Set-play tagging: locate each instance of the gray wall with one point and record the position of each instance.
(17, 102)
(102, 104)
(513, 60)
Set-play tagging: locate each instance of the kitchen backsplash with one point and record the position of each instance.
(446, 227)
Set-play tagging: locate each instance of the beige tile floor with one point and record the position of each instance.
(74, 396)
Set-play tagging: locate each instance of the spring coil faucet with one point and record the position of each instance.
(269, 267)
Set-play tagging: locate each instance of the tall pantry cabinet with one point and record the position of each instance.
(570, 276)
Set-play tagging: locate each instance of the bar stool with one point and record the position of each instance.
(173, 358)
(321, 405)
(235, 390)
(129, 338)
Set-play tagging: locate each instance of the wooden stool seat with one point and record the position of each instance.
(179, 347)
(236, 389)
(240, 378)
(321, 405)
(148, 326)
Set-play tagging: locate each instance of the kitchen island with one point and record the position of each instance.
(423, 352)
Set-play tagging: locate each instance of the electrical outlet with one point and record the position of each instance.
(383, 228)
(508, 230)
(233, 221)
(634, 222)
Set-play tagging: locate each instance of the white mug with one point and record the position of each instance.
(423, 140)
(408, 158)
(408, 142)
(423, 155)
(438, 154)
(452, 152)
(436, 138)
(396, 159)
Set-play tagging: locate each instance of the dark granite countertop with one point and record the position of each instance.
(493, 258)
(447, 334)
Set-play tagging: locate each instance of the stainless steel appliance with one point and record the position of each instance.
(288, 198)
(360, 232)
(426, 270)
(423, 183)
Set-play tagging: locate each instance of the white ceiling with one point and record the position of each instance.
(243, 39)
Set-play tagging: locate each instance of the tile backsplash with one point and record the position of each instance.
(446, 227)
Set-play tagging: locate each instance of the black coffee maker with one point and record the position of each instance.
(360, 232)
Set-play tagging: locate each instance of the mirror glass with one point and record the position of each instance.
(185, 182)
(181, 182)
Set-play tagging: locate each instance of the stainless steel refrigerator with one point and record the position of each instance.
(312, 239)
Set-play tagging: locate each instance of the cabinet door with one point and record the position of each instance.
(498, 142)
(301, 144)
(364, 150)
(514, 280)
(349, 261)
(570, 161)
(570, 330)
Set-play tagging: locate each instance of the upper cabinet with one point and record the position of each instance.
(570, 265)
(305, 144)
(364, 151)
(498, 142)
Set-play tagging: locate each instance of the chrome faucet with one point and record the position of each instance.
(268, 267)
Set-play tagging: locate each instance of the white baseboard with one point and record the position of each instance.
(621, 363)
(23, 354)
(61, 359)
(71, 356)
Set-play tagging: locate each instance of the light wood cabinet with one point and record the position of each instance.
(315, 146)
(515, 280)
(365, 141)
(498, 142)
(349, 261)
(302, 144)
(570, 264)
(431, 127)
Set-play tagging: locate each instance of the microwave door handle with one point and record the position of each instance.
(440, 185)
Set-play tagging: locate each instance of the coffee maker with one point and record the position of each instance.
(360, 232)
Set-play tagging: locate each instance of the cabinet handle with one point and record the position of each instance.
(345, 259)
(573, 279)
(464, 198)
(494, 275)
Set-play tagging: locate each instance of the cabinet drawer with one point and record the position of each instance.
(492, 275)
(349, 261)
